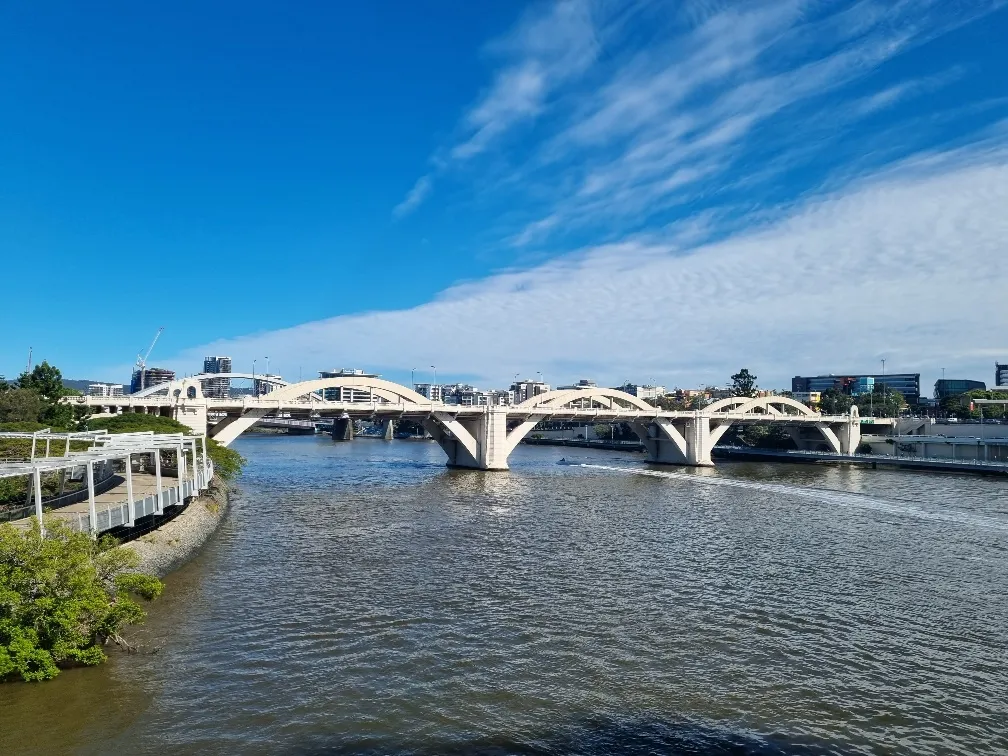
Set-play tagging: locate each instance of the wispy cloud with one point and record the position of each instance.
(545, 50)
(414, 198)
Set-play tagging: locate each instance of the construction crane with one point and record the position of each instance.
(141, 363)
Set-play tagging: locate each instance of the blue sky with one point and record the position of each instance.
(617, 190)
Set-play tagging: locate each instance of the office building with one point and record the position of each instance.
(946, 387)
(907, 384)
(148, 377)
(1001, 373)
(216, 388)
(347, 393)
(105, 389)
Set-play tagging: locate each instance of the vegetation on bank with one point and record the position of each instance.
(959, 406)
(63, 597)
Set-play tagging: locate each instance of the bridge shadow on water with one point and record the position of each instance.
(590, 738)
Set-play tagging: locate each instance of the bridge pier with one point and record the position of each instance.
(685, 442)
(478, 442)
(342, 428)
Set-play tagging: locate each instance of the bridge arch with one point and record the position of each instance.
(383, 391)
(602, 396)
(768, 405)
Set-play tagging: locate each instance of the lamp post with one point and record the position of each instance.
(433, 385)
(267, 365)
(885, 394)
(254, 392)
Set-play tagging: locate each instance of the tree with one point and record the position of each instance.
(743, 383)
(833, 401)
(883, 402)
(63, 597)
(45, 379)
(21, 405)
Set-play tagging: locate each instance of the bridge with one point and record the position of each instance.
(483, 437)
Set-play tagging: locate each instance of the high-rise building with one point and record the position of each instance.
(148, 377)
(1001, 373)
(216, 388)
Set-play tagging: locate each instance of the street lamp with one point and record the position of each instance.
(885, 400)
(254, 392)
(412, 380)
(433, 385)
(267, 365)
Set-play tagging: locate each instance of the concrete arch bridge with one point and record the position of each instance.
(484, 437)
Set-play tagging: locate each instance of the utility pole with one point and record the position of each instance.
(28, 369)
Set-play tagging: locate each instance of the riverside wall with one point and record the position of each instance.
(177, 541)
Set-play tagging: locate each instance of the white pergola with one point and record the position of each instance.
(106, 447)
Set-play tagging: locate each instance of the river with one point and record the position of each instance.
(362, 598)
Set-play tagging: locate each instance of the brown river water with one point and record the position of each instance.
(362, 598)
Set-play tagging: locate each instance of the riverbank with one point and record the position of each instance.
(177, 541)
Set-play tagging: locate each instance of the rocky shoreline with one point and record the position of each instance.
(176, 542)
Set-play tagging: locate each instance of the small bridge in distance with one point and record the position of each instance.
(484, 437)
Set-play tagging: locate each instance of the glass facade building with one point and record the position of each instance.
(907, 384)
(946, 387)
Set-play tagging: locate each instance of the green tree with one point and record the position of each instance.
(62, 597)
(743, 383)
(46, 379)
(21, 405)
(883, 402)
(833, 401)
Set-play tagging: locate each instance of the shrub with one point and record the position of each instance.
(63, 597)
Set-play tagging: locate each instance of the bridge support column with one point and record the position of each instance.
(698, 442)
(686, 442)
(193, 414)
(478, 442)
(342, 428)
(849, 434)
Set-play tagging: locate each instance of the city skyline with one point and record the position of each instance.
(582, 190)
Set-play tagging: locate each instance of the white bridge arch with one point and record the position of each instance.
(484, 437)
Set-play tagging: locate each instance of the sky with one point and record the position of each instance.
(635, 190)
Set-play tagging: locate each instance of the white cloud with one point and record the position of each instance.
(912, 267)
(414, 197)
